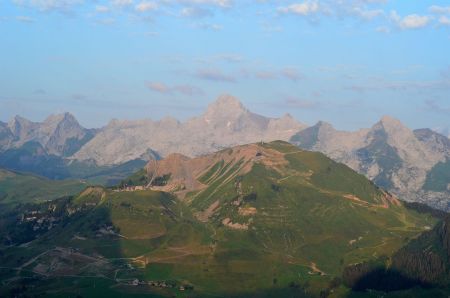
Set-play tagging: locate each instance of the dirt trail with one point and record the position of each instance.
(32, 260)
(315, 269)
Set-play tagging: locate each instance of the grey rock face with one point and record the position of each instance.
(225, 123)
(408, 163)
(6, 136)
(59, 135)
(445, 131)
(389, 153)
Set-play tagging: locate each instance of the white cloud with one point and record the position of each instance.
(212, 74)
(439, 9)
(231, 58)
(220, 3)
(367, 14)
(122, 2)
(209, 26)
(101, 8)
(25, 19)
(146, 6)
(265, 75)
(443, 20)
(305, 8)
(412, 21)
(158, 87)
(383, 29)
(295, 102)
(195, 12)
(46, 5)
(182, 89)
(291, 74)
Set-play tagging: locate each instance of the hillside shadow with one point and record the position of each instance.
(380, 279)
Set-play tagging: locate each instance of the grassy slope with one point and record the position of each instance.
(302, 218)
(152, 226)
(24, 188)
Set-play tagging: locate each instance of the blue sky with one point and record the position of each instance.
(345, 62)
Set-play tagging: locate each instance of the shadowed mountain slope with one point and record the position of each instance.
(408, 163)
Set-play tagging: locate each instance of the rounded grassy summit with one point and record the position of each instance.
(300, 214)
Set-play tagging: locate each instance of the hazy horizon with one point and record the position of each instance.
(201, 110)
(345, 63)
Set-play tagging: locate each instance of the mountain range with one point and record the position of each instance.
(411, 164)
(414, 165)
(225, 123)
(59, 135)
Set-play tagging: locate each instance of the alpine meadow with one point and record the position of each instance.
(224, 148)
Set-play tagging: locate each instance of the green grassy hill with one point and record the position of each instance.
(262, 220)
(307, 213)
(18, 188)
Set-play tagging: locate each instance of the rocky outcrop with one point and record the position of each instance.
(59, 135)
(225, 123)
(389, 153)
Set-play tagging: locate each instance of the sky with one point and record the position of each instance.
(344, 62)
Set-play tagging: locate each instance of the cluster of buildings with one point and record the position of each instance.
(161, 284)
(131, 188)
(39, 219)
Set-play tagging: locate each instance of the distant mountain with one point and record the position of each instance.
(414, 165)
(403, 161)
(43, 148)
(59, 135)
(257, 220)
(225, 123)
(445, 131)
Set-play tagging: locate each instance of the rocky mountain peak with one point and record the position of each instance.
(63, 124)
(19, 125)
(66, 116)
(392, 128)
(18, 120)
(390, 122)
(445, 131)
(438, 143)
(225, 106)
(65, 119)
(287, 116)
(287, 122)
(323, 127)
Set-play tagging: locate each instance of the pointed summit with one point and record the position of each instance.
(322, 125)
(388, 121)
(287, 116)
(392, 127)
(226, 105)
(61, 124)
(18, 120)
(63, 117)
(19, 125)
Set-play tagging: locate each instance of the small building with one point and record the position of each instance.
(135, 282)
